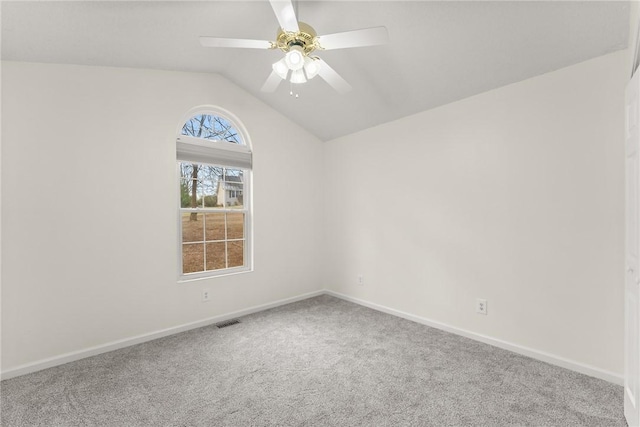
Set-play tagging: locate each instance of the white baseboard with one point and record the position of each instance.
(526, 351)
(115, 345)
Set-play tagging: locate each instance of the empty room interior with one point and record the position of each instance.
(346, 213)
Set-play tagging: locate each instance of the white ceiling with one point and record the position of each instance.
(440, 52)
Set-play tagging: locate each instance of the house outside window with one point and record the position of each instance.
(214, 176)
(230, 191)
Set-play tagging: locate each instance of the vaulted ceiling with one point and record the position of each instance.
(440, 51)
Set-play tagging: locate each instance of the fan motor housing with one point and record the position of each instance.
(306, 38)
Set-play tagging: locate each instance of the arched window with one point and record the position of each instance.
(214, 173)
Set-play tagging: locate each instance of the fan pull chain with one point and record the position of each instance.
(291, 92)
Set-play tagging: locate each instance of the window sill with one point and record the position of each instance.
(209, 275)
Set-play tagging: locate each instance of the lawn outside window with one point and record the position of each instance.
(214, 174)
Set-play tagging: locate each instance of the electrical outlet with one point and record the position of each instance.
(481, 306)
(205, 295)
(360, 280)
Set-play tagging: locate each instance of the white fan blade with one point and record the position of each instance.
(286, 15)
(365, 37)
(221, 42)
(330, 76)
(272, 83)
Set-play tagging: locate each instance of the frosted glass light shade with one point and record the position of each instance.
(297, 76)
(311, 67)
(294, 58)
(281, 69)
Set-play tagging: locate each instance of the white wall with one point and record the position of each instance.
(89, 215)
(515, 195)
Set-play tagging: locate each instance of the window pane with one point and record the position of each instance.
(211, 127)
(192, 227)
(211, 178)
(216, 256)
(233, 175)
(214, 226)
(192, 257)
(191, 185)
(235, 225)
(233, 186)
(185, 193)
(202, 184)
(236, 253)
(235, 195)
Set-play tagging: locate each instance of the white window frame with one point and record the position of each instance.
(220, 154)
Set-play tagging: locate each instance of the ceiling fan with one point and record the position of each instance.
(299, 41)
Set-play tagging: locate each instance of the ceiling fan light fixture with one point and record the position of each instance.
(297, 77)
(294, 58)
(311, 67)
(298, 40)
(281, 69)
